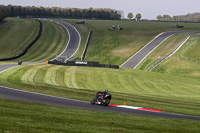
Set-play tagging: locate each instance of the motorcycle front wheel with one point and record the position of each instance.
(93, 101)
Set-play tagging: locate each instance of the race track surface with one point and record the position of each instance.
(14, 94)
(135, 60)
(4, 67)
(74, 40)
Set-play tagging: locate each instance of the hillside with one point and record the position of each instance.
(15, 37)
(115, 47)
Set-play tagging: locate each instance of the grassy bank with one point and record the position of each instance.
(16, 36)
(52, 42)
(20, 117)
(115, 47)
(185, 62)
(137, 88)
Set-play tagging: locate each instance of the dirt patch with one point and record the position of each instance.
(195, 74)
(122, 52)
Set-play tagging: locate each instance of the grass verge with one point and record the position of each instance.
(185, 62)
(21, 117)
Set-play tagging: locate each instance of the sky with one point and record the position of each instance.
(149, 9)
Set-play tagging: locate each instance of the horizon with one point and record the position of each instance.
(148, 9)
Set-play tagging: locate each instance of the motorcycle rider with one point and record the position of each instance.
(102, 92)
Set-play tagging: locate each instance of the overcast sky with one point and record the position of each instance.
(149, 9)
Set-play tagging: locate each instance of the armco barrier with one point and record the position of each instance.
(86, 46)
(81, 63)
(28, 47)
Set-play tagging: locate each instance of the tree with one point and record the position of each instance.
(159, 17)
(138, 16)
(32, 11)
(114, 15)
(130, 15)
(166, 18)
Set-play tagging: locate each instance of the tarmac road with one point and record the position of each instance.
(74, 40)
(14, 94)
(4, 67)
(135, 60)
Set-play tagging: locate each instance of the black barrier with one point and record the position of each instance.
(86, 46)
(82, 63)
(28, 47)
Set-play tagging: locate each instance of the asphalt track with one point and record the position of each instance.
(135, 60)
(70, 103)
(74, 40)
(14, 94)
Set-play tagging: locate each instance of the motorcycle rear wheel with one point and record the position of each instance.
(105, 102)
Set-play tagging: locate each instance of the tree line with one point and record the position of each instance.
(2, 14)
(32, 11)
(191, 17)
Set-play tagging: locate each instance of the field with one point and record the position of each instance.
(173, 86)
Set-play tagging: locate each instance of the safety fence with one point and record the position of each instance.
(86, 46)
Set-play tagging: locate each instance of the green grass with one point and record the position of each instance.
(136, 88)
(185, 62)
(16, 36)
(21, 117)
(52, 42)
(115, 47)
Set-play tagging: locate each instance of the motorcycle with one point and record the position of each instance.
(102, 98)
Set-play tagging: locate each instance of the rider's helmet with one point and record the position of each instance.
(106, 91)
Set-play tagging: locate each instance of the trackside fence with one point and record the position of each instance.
(86, 46)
